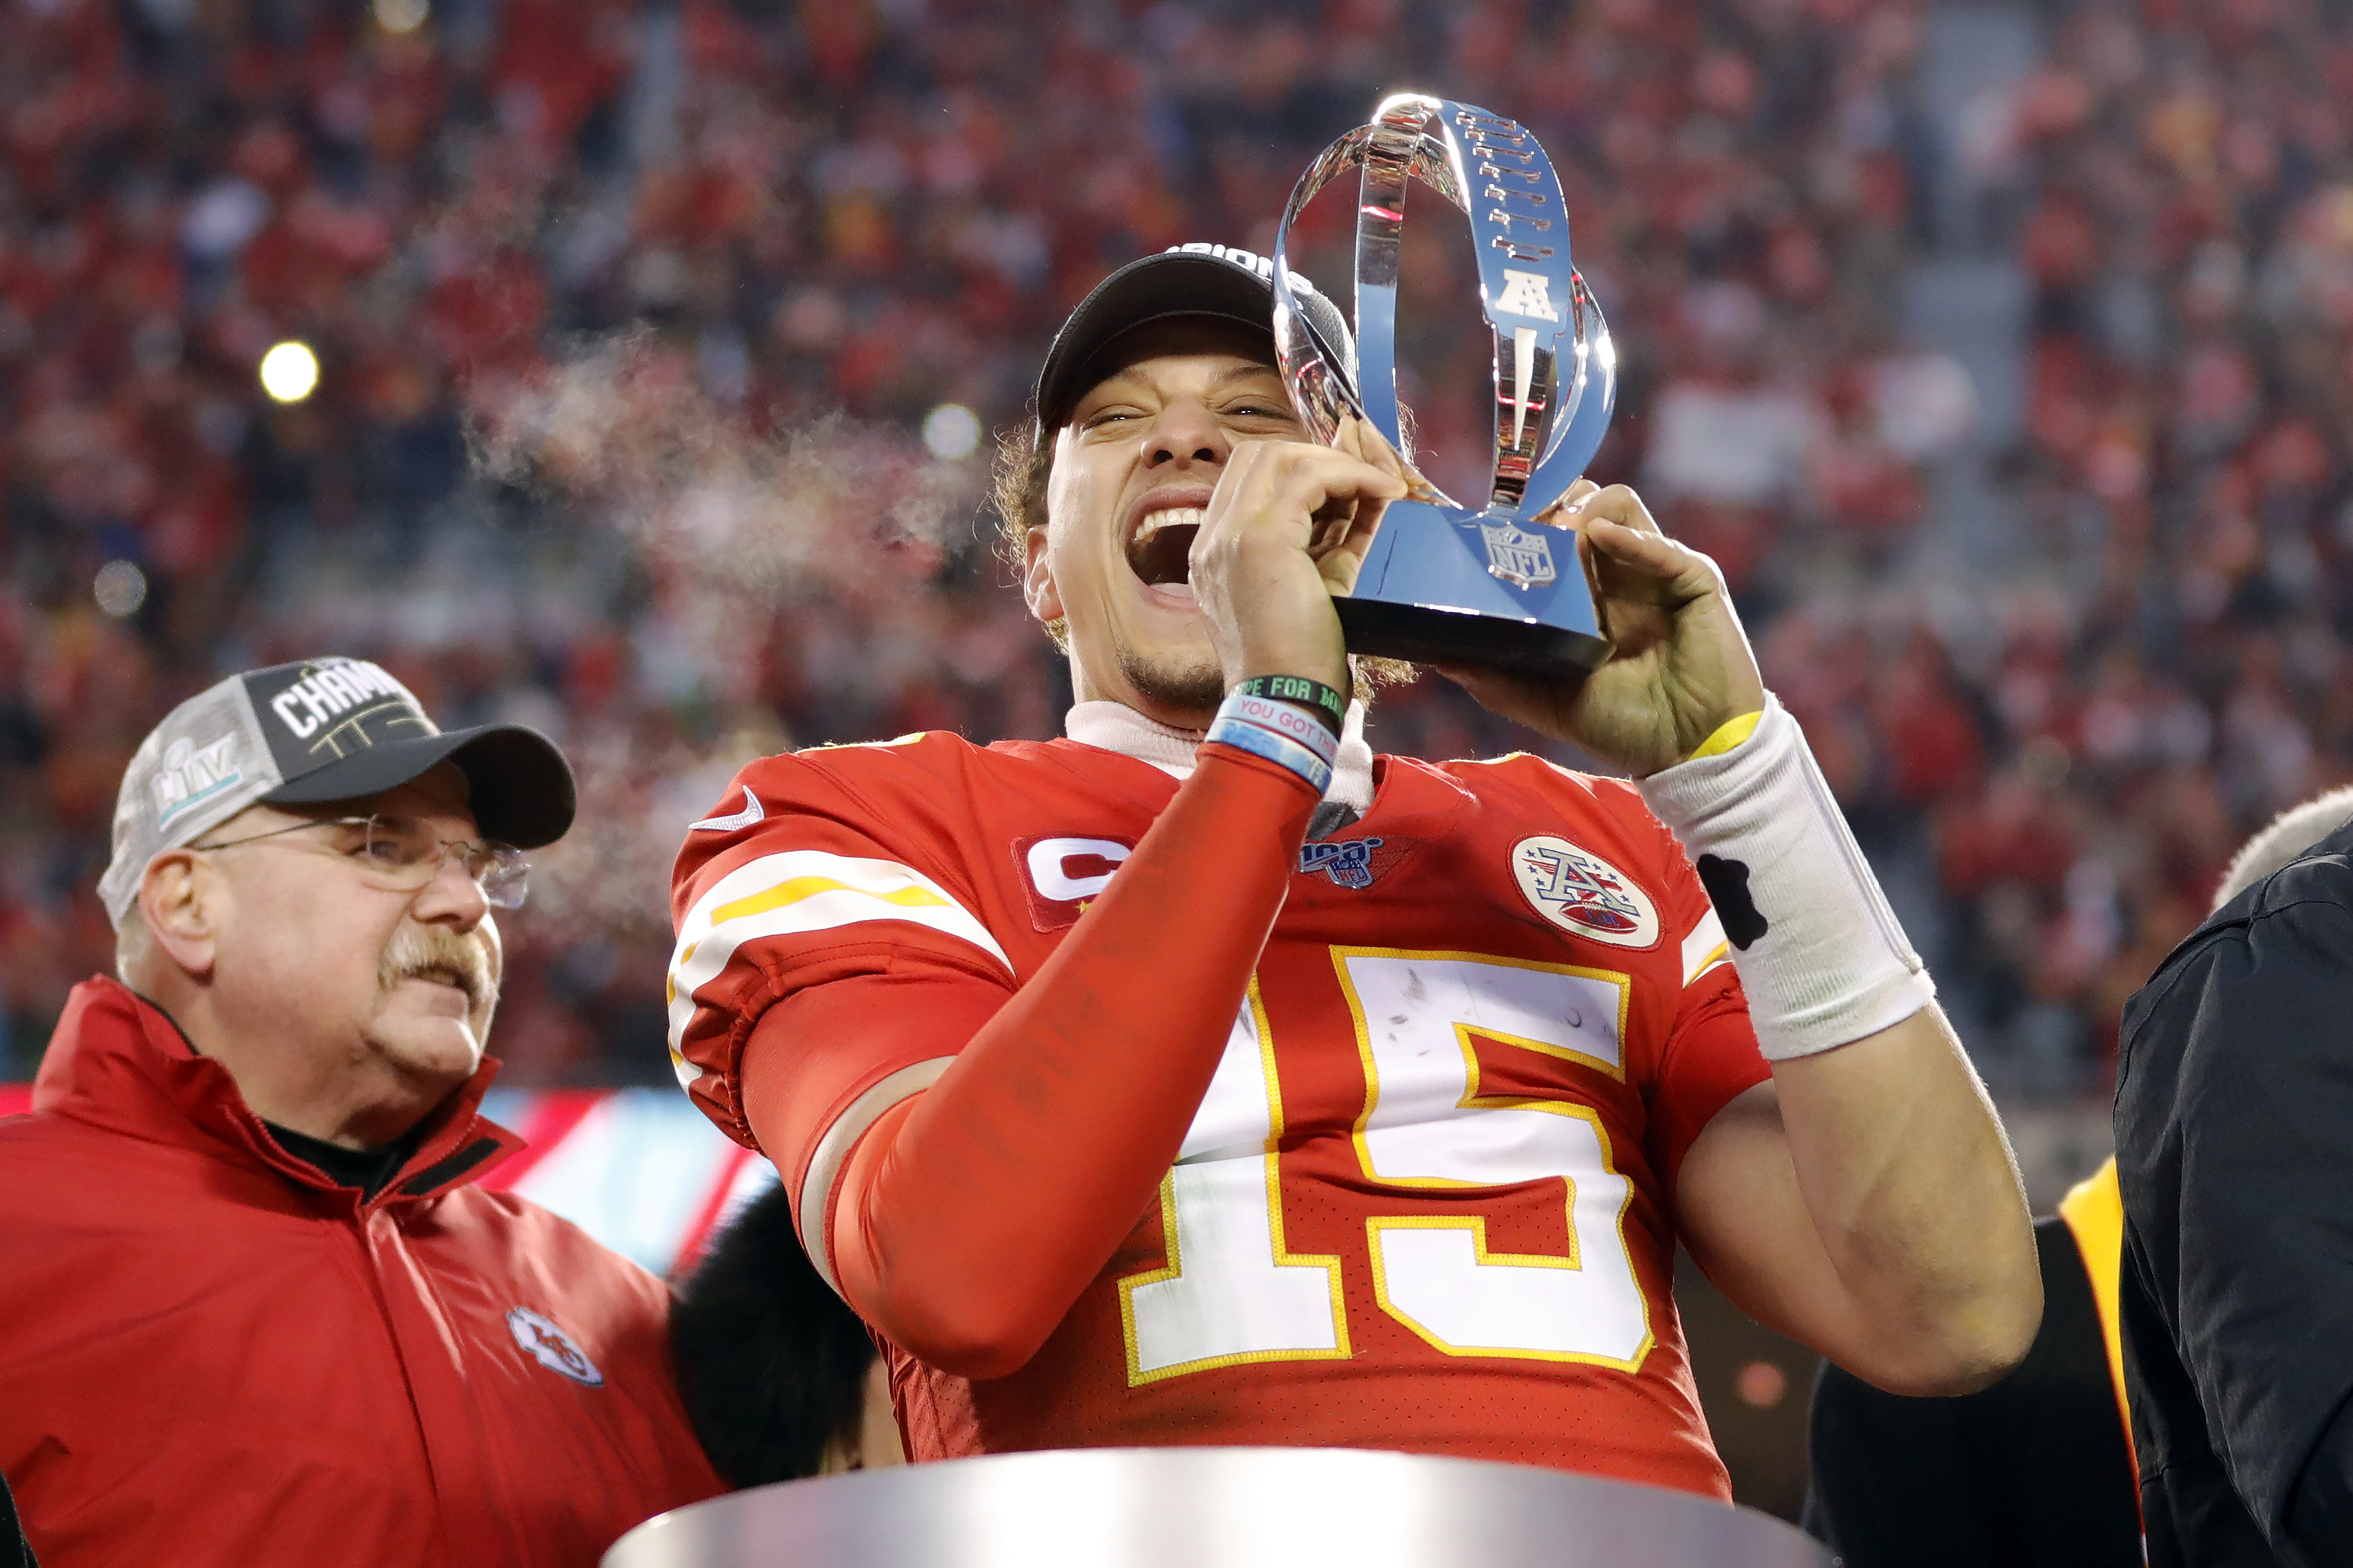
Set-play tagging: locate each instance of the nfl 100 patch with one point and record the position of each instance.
(1354, 863)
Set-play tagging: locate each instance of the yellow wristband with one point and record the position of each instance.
(1730, 733)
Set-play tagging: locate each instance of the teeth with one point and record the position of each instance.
(1173, 517)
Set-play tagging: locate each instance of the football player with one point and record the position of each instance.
(1202, 1078)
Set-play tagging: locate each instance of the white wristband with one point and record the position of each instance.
(1818, 951)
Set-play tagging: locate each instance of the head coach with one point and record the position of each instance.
(252, 1310)
(1202, 1078)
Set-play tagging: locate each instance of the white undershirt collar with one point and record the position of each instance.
(1115, 727)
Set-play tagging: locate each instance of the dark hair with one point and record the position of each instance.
(1018, 486)
(771, 1363)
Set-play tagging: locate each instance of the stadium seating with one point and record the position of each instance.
(822, 222)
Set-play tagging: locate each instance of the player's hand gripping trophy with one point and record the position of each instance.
(1639, 657)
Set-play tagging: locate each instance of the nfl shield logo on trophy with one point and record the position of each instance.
(1517, 555)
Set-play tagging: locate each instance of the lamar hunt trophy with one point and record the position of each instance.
(1447, 582)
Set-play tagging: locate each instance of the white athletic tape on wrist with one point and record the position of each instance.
(1230, 729)
(1819, 952)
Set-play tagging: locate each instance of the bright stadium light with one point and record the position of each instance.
(120, 588)
(290, 372)
(951, 431)
(400, 16)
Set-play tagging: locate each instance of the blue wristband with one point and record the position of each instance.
(1280, 750)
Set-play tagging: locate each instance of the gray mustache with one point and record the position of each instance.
(432, 954)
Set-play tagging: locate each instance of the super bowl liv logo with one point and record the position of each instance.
(192, 774)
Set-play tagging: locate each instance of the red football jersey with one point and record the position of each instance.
(1426, 1203)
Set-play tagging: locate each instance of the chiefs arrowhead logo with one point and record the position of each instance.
(539, 1338)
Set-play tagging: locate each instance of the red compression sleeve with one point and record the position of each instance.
(970, 1218)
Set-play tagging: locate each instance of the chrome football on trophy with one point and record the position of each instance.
(1446, 582)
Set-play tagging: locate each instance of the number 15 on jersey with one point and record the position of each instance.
(1231, 1292)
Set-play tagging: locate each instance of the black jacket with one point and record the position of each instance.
(15, 1551)
(2234, 1153)
(771, 1363)
(2031, 1473)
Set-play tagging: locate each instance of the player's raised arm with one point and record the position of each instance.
(967, 1219)
(1865, 1201)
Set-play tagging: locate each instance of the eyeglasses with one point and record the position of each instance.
(399, 855)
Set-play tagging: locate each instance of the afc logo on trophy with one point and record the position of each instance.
(1526, 294)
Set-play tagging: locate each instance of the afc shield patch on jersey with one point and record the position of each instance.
(540, 1338)
(1581, 892)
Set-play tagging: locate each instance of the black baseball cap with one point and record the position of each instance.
(1222, 281)
(315, 731)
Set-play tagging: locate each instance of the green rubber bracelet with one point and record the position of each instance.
(1309, 694)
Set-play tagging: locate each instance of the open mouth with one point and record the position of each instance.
(1160, 546)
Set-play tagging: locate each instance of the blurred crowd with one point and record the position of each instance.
(660, 345)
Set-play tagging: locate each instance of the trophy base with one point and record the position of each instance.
(1431, 591)
(1384, 628)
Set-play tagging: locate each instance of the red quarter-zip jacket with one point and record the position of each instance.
(212, 1353)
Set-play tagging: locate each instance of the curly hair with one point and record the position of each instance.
(1017, 488)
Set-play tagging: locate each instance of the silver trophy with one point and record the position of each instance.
(1447, 582)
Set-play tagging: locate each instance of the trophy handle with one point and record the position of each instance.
(1394, 148)
(1318, 371)
(1591, 401)
(1444, 582)
(1547, 426)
